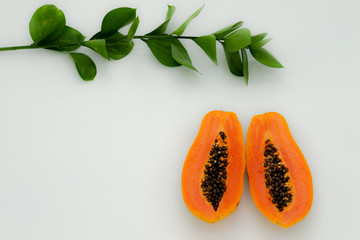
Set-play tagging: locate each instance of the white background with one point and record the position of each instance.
(103, 159)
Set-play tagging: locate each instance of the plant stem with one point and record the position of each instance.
(17, 48)
(164, 36)
(33, 46)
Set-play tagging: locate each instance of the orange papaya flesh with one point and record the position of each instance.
(213, 172)
(279, 176)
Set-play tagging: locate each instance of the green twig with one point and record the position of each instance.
(48, 30)
(34, 46)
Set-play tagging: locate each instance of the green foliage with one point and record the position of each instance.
(99, 46)
(237, 40)
(84, 65)
(118, 46)
(69, 40)
(162, 28)
(260, 43)
(258, 37)
(208, 44)
(116, 19)
(47, 24)
(227, 30)
(245, 65)
(265, 57)
(180, 54)
(234, 62)
(161, 49)
(183, 26)
(133, 29)
(48, 30)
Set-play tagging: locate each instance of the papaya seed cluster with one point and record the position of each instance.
(276, 177)
(214, 182)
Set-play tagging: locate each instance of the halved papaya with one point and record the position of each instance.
(213, 172)
(279, 176)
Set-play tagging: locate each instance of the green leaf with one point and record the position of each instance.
(118, 46)
(180, 54)
(161, 49)
(245, 65)
(98, 35)
(258, 37)
(208, 44)
(265, 57)
(47, 24)
(238, 40)
(84, 65)
(170, 12)
(234, 62)
(162, 28)
(183, 26)
(133, 29)
(116, 19)
(69, 35)
(260, 44)
(227, 30)
(98, 45)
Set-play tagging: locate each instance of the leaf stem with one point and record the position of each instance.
(33, 46)
(18, 47)
(164, 36)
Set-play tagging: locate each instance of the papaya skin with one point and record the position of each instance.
(197, 157)
(274, 127)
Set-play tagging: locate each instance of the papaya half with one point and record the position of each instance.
(213, 172)
(279, 176)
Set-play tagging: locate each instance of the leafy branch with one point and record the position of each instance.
(48, 30)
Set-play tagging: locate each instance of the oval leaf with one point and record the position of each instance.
(98, 45)
(47, 24)
(238, 40)
(116, 19)
(265, 57)
(258, 37)
(234, 62)
(97, 35)
(133, 29)
(118, 46)
(260, 44)
(162, 28)
(208, 44)
(84, 65)
(69, 35)
(245, 65)
(161, 49)
(180, 54)
(227, 30)
(183, 26)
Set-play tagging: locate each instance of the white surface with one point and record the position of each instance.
(103, 159)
